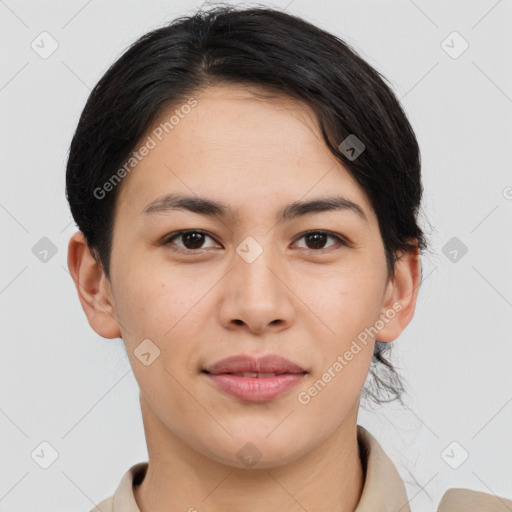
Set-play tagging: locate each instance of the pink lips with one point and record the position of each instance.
(247, 378)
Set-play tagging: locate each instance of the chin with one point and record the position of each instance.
(258, 452)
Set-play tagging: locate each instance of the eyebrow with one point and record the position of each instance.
(211, 208)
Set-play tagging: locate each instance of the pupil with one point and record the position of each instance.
(318, 239)
(198, 240)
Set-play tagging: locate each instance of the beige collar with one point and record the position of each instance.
(384, 489)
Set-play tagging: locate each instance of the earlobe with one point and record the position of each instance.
(401, 294)
(93, 288)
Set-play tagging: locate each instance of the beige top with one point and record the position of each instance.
(383, 491)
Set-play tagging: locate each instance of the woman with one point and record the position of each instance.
(247, 190)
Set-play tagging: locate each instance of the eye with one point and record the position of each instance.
(192, 239)
(317, 239)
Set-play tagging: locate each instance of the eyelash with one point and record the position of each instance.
(167, 240)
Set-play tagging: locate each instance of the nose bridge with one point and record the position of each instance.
(257, 262)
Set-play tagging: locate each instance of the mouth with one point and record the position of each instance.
(248, 366)
(251, 379)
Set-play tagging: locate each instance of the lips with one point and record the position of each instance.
(247, 366)
(251, 379)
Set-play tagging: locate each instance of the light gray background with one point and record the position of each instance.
(63, 384)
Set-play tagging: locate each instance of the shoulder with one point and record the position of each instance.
(466, 500)
(107, 505)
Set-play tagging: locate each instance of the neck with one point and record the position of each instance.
(179, 478)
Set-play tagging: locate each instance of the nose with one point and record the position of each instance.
(257, 296)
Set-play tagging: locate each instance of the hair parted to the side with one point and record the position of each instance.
(277, 52)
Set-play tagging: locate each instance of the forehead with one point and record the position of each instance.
(240, 146)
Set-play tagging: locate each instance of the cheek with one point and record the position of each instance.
(169, 311)
(347, 308)
(164, 312)
(345, 305)
(343, 302)
(152, 304)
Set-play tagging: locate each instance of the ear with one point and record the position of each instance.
(93, 288)
(400, 295)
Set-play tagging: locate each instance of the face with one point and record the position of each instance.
(247, 279)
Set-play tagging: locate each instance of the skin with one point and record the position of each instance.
(303, 301)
